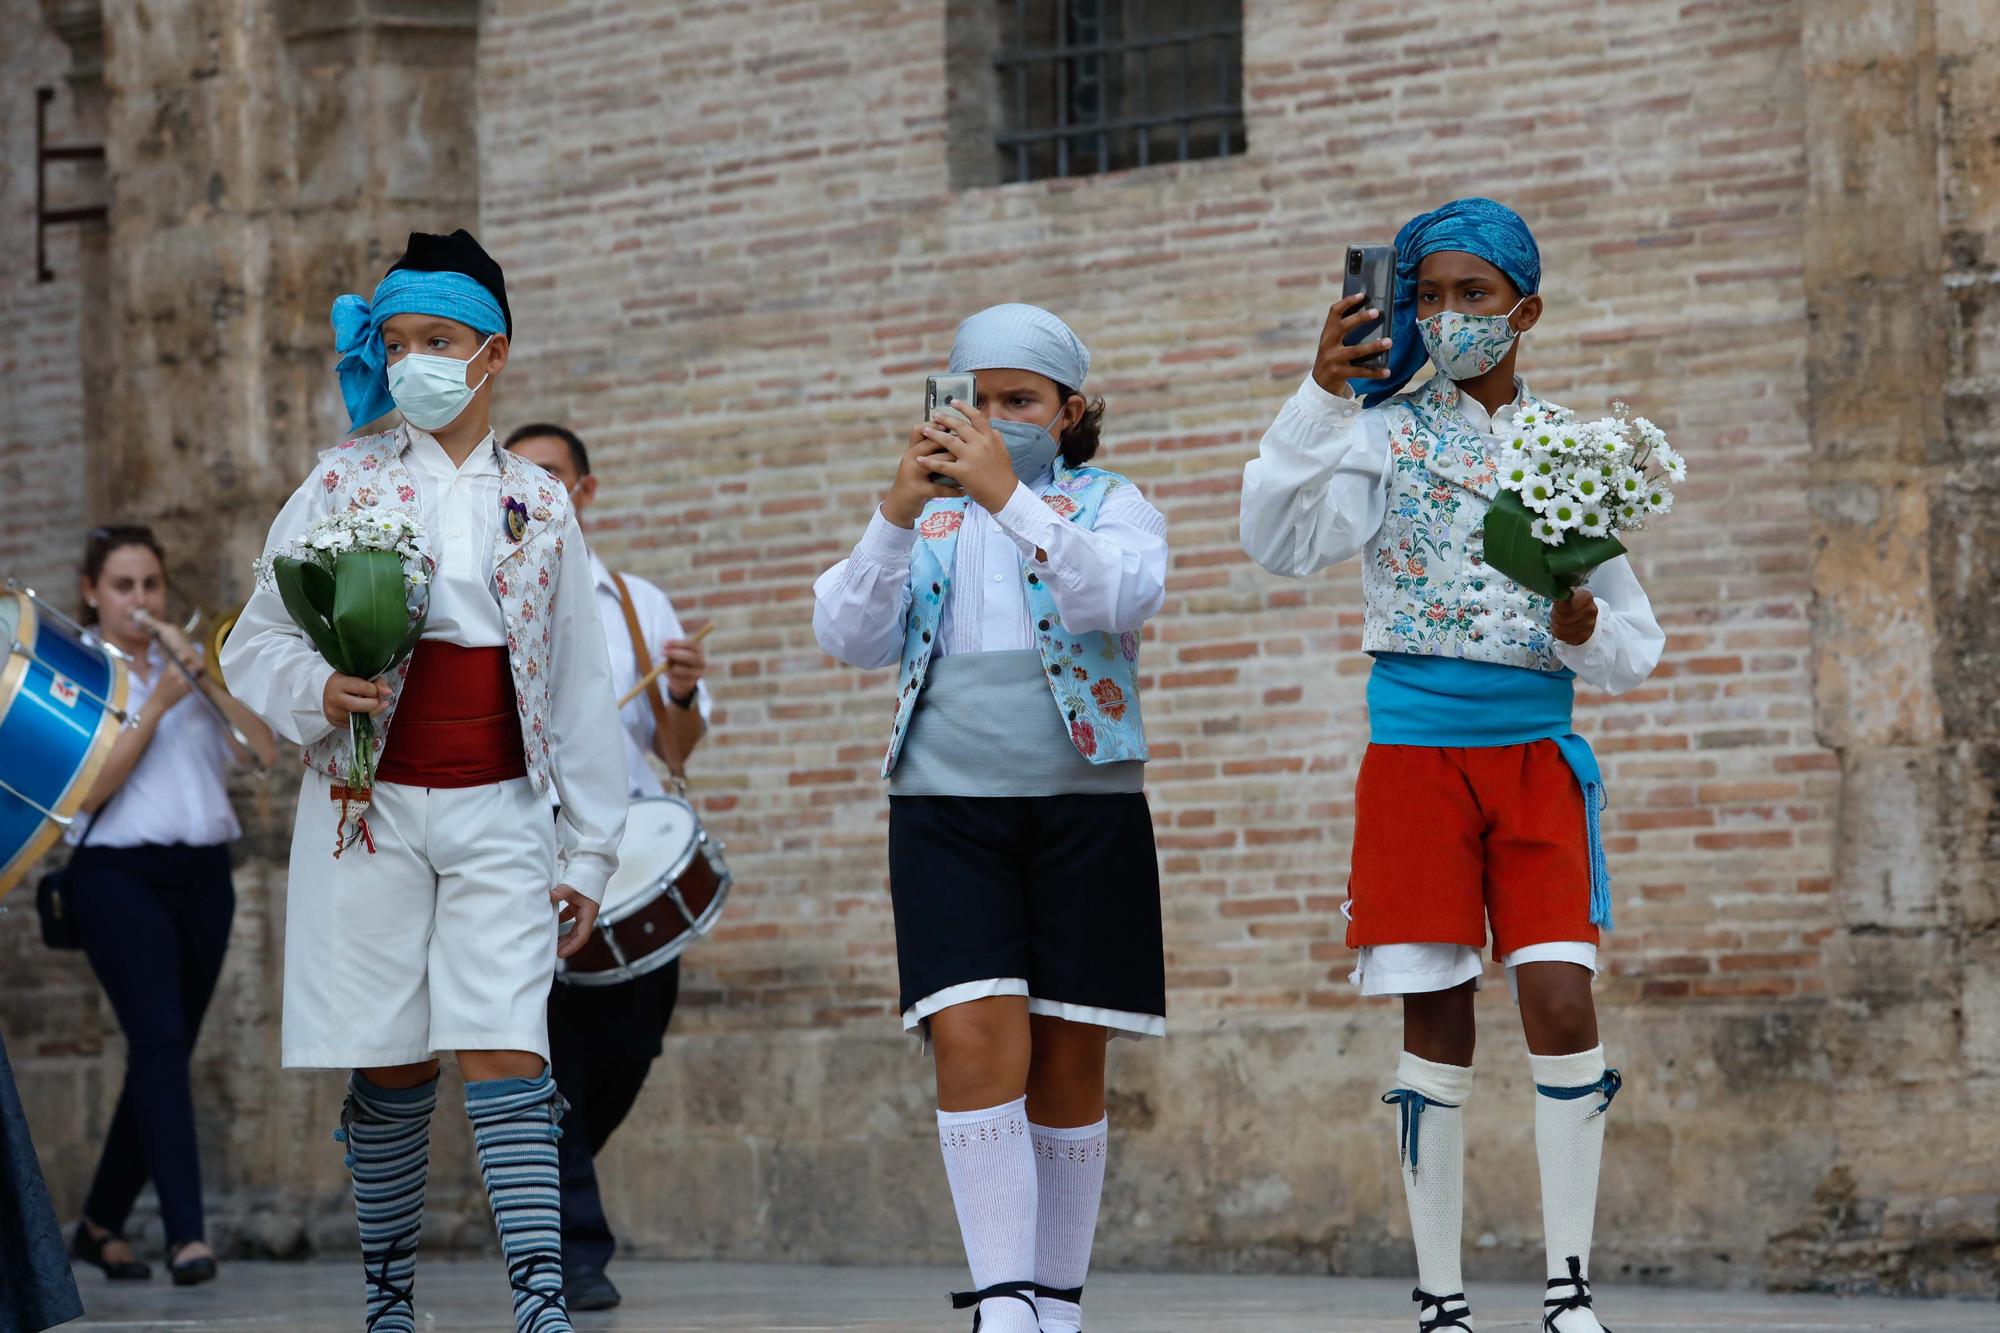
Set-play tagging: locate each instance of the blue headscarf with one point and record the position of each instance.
(1494, 232)
(357, 329)
(1021, 337)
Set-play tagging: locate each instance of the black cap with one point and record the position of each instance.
(457, 253)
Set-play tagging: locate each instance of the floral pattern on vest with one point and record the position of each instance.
(1424, 579)
(368, 472)
(1093, 676)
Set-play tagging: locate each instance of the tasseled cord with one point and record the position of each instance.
(1600, 868)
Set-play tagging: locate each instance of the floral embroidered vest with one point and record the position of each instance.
(1426, 586)
(1094, 676)
(370, 472)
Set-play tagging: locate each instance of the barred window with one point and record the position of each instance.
(1082, 87)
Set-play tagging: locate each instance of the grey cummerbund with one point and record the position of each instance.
(987, 725)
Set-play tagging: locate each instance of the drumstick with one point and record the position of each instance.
(654, 674)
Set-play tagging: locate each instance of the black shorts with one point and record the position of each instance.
(1052, 897)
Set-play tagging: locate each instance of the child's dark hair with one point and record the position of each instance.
(98, 546)
(1079, 442)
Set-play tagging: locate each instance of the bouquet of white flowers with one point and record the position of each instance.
(1568, 488)
(358, 584)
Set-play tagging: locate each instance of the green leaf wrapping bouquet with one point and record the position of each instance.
(1568, 488)
(358, 584)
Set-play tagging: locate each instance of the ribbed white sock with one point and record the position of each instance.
(1431, 1142)
(1069, 1167)
(1569, 1143)
(990, 1161)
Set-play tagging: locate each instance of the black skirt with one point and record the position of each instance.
(37, 1290)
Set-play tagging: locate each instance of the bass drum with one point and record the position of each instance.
(667, 892)
(62, 701)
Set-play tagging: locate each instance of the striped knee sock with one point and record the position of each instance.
(388, 1136)
(514, 1128)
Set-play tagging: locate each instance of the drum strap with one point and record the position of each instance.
(642, 658)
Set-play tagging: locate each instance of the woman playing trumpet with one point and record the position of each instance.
(153, 896)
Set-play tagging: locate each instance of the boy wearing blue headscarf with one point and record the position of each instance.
(1021, 861)
(1476, 800)
(436, 929)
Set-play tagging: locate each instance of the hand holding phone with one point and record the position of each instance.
(941, 391)
(1353, 344)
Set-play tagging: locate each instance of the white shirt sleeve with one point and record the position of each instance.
(1109, 578)
(588, 756)
(1318, 490)
(268, 661)
(1626, 645)
(860, 605)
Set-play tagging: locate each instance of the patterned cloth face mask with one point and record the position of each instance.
(1464, 347)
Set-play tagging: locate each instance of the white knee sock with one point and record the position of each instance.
(1573, 1092)
(1431, 1143)
(990, 1162)
(1069, 1166)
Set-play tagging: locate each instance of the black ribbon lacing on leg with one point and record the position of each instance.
(1020, 1291)
(1410, 1104)
(1578, 1299)
(1431, 1314)
(523, 1269)
(1074, 1295)
(403, 1247)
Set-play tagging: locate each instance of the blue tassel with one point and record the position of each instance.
(1600, 868)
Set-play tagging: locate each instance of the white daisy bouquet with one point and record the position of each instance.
(1570, 488)
(358, 584)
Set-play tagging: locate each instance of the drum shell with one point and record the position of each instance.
(677, 907)
(62, 701)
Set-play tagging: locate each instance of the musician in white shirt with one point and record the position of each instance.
(604, 1039)
(152, 896)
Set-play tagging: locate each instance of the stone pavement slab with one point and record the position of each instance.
(325, 1297)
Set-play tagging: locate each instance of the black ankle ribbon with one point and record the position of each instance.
(1554, 1307)
(1433, 1318)
(403, 1247)
(1020, 1291)
(523, 1270)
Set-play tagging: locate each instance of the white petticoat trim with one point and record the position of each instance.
(1118, 1022)
(1416, 969)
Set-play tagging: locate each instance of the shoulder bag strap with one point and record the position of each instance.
(642, 657)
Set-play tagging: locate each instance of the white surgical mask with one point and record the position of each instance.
(431, 391)
(1464, 347)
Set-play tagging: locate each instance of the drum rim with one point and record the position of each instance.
(679, 868)
(96, 754)
(686, 940)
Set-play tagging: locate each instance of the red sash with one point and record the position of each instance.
(457, 724)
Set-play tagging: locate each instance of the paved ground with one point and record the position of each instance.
(325, 1298)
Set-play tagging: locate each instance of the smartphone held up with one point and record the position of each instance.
(942, 391)
(1371, 270)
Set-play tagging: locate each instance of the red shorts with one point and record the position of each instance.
(1445, 839)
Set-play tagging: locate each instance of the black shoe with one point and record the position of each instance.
(591, 1291)
(192, 1273)
(90, 1250)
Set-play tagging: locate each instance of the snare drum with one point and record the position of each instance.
(668, 890)
(62, 701)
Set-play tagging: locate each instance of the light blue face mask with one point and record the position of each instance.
(1030, 448)
(430, 391)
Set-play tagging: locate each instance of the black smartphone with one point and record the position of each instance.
(943, 391)
(1371, 269)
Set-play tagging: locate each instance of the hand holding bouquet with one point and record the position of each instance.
(358, 584)
(1568, 488)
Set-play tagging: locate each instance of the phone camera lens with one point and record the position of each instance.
(1353, 261)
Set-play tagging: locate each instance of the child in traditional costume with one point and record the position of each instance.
(1476, 800)
(1021, 857)
(429, 924)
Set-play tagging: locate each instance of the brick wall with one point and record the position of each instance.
(735, 251)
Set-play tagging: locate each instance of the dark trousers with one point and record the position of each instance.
(155, 923)
(602, 1043)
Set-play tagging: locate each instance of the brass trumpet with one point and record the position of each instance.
(210, 642)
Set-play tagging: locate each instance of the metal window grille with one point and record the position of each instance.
(1092, 86)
